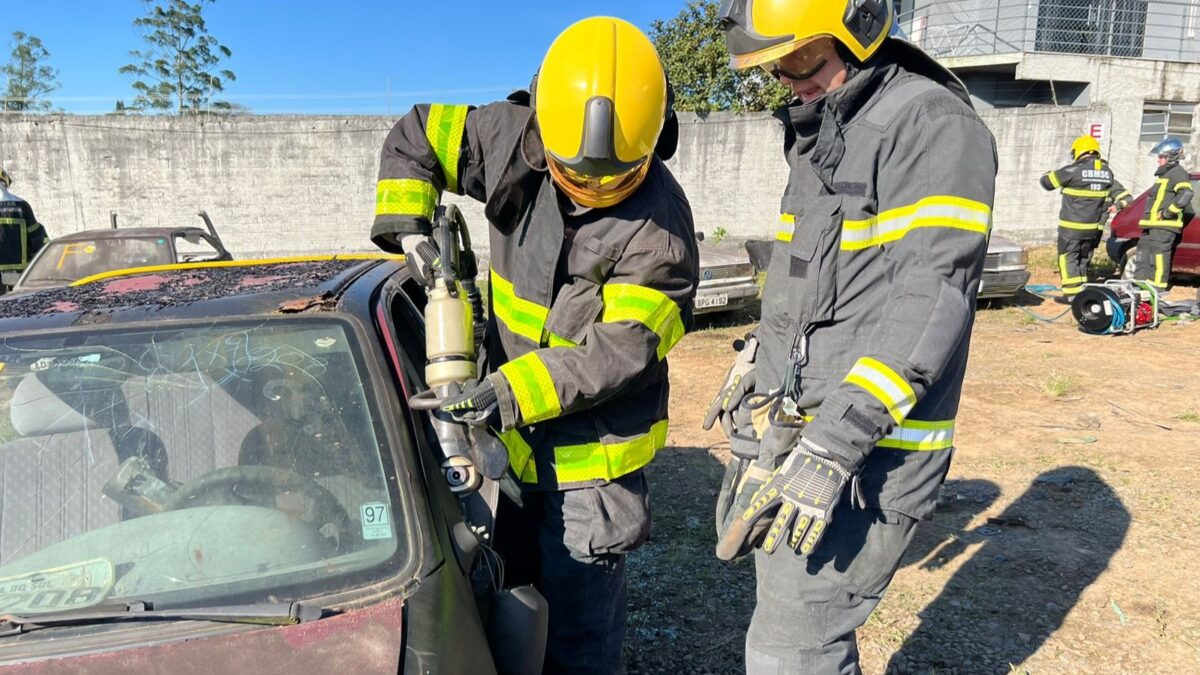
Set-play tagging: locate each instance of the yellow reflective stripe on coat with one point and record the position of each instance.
(523, 317)
(444, 129)
(787, 218)
(520, 456)
(1182, 186)
(1071, 225)
(916, 435)
(533, 388)
(919, 436)
(608, 461)
(1175, 208)
(24, 243)
(1091, 194)
(884, 384)
(405, 197)
(1053, 176)
(651, 308)
(785, 237)
(1161, 185)
(938, 211)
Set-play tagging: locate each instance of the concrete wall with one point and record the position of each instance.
(271, 185)
(290, 185)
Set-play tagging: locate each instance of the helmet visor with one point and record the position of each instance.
(597, 191)
(765, 57)
(803, 63)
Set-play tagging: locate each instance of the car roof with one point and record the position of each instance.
(214, 290)
(128, 233)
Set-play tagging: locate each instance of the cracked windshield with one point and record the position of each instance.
(189, 466)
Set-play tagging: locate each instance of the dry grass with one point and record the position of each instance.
(1058, 385)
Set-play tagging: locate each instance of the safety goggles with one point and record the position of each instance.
(801, 63)
(597, 191)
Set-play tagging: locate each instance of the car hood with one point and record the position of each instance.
(367, 640)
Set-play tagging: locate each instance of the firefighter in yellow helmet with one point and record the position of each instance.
(1088, 188)
(842, 441)
(593, 268)
(21, 235)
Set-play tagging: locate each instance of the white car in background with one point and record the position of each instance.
(727, 280)
(1005, 270)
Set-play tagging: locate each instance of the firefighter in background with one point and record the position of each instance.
(593, 271)
(21, 235)
(1162, 223)
(1089, 189)
(846, 438)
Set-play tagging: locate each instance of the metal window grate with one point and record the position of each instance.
(1150, 29)
(1167, 119)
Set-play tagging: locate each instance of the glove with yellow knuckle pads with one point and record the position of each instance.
(787, 495)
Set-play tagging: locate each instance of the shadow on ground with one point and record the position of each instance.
(688, 611)
(1002, 605)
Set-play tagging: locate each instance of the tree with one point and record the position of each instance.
(29, 79)
(178, 69)
(692, 48)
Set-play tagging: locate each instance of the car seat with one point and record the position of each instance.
(51, 478)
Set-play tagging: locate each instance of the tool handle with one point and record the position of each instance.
(426, 400)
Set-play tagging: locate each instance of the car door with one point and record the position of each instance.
(1187, 258)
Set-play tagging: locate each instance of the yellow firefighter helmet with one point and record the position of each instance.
(600, 99)
(758, 32)
(1083, 145)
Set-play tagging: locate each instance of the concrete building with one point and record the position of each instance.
(1133, 65)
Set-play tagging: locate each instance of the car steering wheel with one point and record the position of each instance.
(243, 485)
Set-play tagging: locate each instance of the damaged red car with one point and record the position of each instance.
(214, 468)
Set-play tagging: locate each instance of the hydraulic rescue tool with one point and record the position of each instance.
(475, 463)
(453, 331)
(1116, 307)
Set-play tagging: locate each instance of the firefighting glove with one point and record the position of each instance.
(477, 405)
(797, 500)
(423, 258)
(744, 475)
(739, 381)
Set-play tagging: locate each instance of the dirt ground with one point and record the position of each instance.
(1065, 541)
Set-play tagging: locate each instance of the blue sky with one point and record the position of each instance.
(299, 56)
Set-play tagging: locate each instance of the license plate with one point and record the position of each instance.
(706, 301)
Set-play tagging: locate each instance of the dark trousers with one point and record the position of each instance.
(1074, 256)
(808, 610)
(1155, 249)
(571, 545)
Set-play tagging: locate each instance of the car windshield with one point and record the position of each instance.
(67, 261)
(188, 466)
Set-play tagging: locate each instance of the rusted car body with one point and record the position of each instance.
(215, 469)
